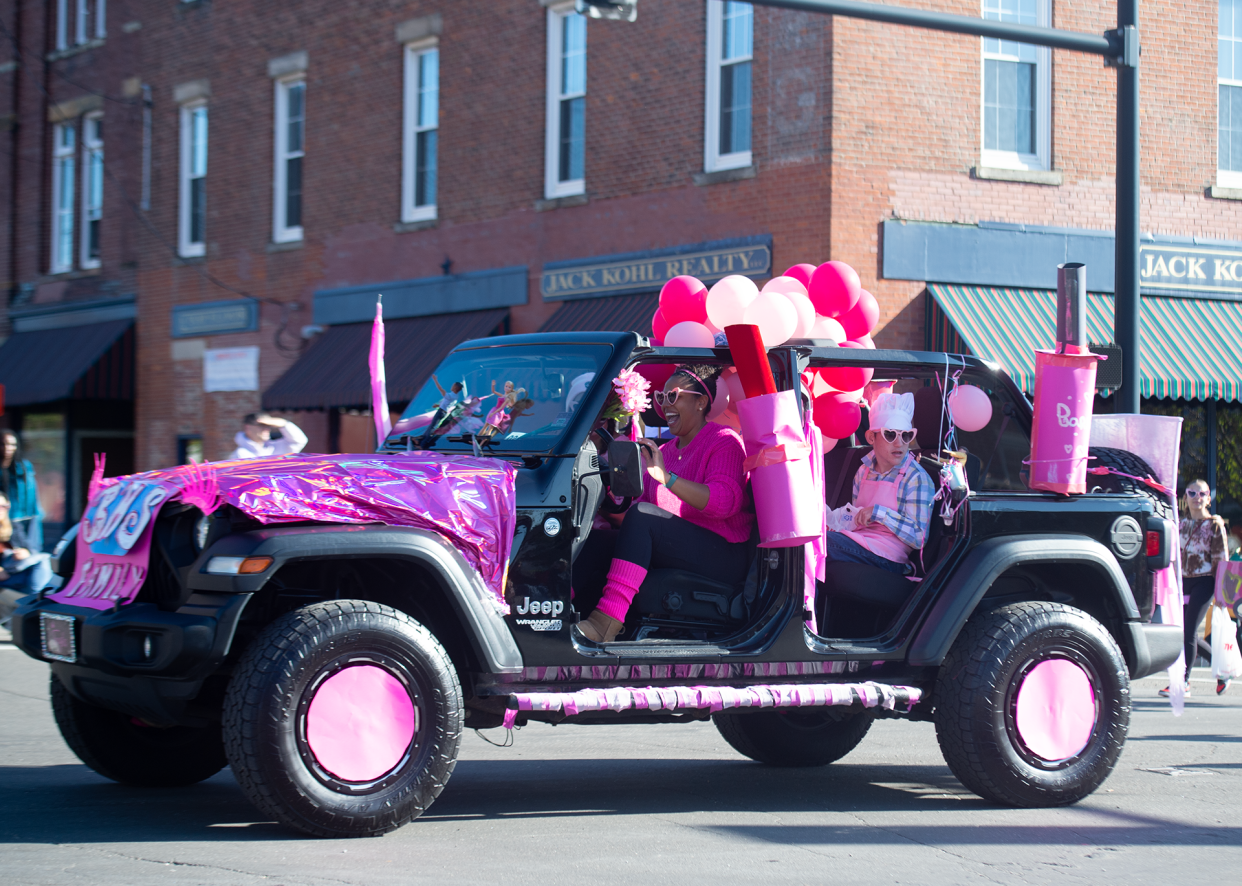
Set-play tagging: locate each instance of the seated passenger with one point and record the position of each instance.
(694, 512)
(892, 494)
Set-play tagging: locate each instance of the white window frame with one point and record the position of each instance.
(1042, 158)
(1225, 178)
(553, 187)
(713, 160)
(281, 232)
(185, 247)
(62, 24)
(414, 53)
(63, 211)
(91, 147)
(82, 17)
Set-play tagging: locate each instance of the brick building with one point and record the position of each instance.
(203, 199)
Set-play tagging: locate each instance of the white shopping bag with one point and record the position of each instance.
(1226, 659)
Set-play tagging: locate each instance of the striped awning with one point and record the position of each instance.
(90, 362)
(1191, 347)
(616, 313)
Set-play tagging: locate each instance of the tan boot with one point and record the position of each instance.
(600, 628)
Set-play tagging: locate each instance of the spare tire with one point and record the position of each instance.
(1126, 463)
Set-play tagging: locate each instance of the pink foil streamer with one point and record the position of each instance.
(379, 380)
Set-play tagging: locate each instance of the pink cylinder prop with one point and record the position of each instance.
(1061, 432)
(788, 505)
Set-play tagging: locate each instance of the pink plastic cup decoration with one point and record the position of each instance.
(684, 299)
(836, 416)
(775, 316)
(970, 408)
(802, 273)
(659, 326)
(827, 327)
(861, 319)
(728, 300)
(834, 289)
(689, 335)
(847, 378)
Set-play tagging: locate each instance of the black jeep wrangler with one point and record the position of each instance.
(1032, 615)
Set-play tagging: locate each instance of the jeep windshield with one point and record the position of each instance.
(518, 398)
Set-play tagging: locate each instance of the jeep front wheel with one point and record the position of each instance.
(1033, 705)
(343, 719)
(794, 736)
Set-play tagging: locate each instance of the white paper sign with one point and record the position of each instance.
(231, 369)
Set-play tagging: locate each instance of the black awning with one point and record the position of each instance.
(617, 313)
(334, 371)
(93, 362)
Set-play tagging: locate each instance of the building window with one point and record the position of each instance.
(730, 50)
(290, 151)
(92, 188)
(566, 126)
(64, 148)
(1229, 86)
(193, 216)
(87, 24)
(422, 121)
(1017, 90)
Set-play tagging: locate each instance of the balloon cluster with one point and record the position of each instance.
(825, 302)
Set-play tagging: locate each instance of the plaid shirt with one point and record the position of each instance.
(914, 500)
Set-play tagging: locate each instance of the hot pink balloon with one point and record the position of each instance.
(836, 416)
(861, 319)
(864, 341)
(689, 335)
(684, 299)
(847, 378)
(826, 327)
(659, 326)
(802, 273)
(656, 373)
(729, 298)
(775, 316)
(970, 408)
(834, 288)
(852, 344)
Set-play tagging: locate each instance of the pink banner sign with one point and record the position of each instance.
(114, 543)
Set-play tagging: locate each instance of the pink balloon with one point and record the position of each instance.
(689, 335)
(721, 401)
(656, 373)
(836, 416)
(784, 284)
(806, 314)
(970, 408)
(861, 319)
(729, 299)
(826, 327)
(864, 341)
(829, 443)
(802, 273)
(847, 378)
(659, 326)
(733, 382)
(852, 344)
(775, 316)
(684, 299)
(834, 288)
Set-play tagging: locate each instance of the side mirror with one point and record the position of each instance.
(625, 468)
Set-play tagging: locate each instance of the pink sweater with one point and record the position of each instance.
(714, 458)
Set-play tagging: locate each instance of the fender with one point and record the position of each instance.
(473, 603)
(987, 562)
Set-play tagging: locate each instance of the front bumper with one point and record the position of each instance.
(1155, 647)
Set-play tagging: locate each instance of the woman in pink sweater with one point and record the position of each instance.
(694, 513)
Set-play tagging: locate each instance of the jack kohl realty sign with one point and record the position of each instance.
(1198, 269)
(648, 271)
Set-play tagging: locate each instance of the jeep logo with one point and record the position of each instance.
(1126, 537)
(539, 607)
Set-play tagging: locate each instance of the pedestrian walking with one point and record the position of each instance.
(22, 571)
(17, 482)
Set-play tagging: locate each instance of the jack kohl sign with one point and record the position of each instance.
(1214, 269)
(648, 271)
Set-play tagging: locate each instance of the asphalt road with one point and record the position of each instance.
(655, 804)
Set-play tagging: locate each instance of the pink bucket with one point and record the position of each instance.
(789, 506)
(1061, 433)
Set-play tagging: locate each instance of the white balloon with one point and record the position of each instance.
(775, 316)
(806, 313)
(728, 300)
(826, 327)
(785, 285)
(689, 335)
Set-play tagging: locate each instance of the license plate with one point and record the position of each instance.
(59, 641)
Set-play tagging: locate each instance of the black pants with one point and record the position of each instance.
(425, 440)
(654, 538)
(1198, 591)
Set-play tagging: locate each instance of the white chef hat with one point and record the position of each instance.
(893, 412)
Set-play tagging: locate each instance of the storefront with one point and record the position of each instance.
(991, 291)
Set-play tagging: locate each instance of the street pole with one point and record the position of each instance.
(1126, 276)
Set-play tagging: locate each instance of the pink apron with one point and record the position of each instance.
(876, 537)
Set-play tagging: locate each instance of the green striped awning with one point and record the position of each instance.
(1191, 347)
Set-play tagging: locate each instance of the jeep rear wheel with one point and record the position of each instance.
(793, 737)
(343, 719)
(1033, 705)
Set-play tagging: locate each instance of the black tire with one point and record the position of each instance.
(122, 748)
(793, 737)
(976, 697)
(1127, 463)
(267, 704)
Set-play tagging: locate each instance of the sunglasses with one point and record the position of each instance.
(1198, 493)
(891, 436)
(663, 399)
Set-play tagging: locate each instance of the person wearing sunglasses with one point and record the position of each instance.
(1203, 545)
(892, 494)
(694, 513)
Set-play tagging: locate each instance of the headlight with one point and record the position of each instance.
(237, 565)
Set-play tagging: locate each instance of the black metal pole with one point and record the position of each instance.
(1126, 279)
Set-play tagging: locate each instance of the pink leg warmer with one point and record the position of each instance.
(624, 579)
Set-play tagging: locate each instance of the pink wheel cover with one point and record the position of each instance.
(1055, 709)
(360, 723)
